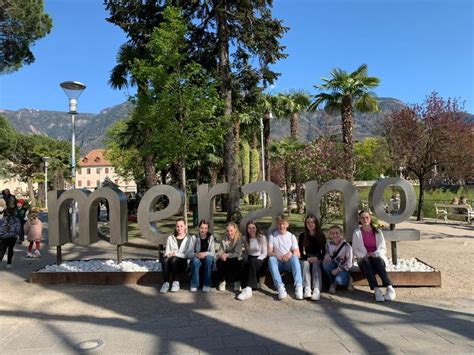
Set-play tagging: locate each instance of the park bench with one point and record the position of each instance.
(443, 210)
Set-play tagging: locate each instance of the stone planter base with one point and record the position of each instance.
(430, 279)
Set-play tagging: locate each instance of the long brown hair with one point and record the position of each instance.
(320, 236)
(175, 233)
(258, 234)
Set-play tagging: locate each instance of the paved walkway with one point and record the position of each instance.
(138, 319)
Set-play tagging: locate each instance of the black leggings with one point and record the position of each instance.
(176, 265)
(252, 269)
(7, 243)
(228, 270)
(374, 265)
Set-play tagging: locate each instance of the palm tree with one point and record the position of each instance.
(345, 93)
(290, 105)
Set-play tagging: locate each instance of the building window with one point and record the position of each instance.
(88, 183)
(88, 172)
(98, 170)
(98, 183)
(106, 170)
(79, 183)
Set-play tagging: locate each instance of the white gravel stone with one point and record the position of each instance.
(408, 265)
(130, 265)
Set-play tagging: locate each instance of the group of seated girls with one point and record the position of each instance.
(242, 260)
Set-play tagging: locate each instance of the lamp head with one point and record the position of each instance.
(72, 89)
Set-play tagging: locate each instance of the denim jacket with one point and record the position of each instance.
(9, 227)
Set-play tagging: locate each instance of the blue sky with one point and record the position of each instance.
(413, 46)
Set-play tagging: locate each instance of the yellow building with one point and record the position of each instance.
(95, 169)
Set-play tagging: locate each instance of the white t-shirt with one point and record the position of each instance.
(282, 244)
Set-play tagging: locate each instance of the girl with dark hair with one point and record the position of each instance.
(369, 248)
(179, 249)
(203, 259)
(255, 253)
(9, 230)
(312, 245)
(228, 257)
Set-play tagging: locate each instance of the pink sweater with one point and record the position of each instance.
(33, 229)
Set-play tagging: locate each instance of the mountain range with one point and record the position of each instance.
(91, 128)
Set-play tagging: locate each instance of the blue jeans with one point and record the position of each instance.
(276, 266)
(196, 265)
(341, 278)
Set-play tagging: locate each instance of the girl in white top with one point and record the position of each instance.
(255, 254)
(369, 248)
(179, 249)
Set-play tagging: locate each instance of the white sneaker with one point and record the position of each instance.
(299, 292)
(37, 253)
(221, 286)
(259, 285)
(237, 286)
(175, 286)
(316, 295)
(245, 294)
(9, 266)
(332, 289)
(206, 288)
(165, 287)
(307, 292)
(390, 294)
(378, 295)
(281, 292)
(193, 289)
(29, 255)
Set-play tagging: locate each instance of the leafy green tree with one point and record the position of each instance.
(372, 158)
(184, 96)
(22, 23)
(255, 36)
(7, 137)
(346, 92)
(27, 159)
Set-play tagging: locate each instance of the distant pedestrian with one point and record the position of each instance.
(228, 258)
(33, 230)
(21, 213)
(204, 252)
(369, 248)
(254, 263)
(9, 230)
(312, 246)
(338, 260)
(179, 249)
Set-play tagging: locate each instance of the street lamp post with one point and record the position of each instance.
(46, 159)
(73, 89)
(262, 145)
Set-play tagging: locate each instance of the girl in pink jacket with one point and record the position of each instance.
(33, 230)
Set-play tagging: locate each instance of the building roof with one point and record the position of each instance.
(95, 158)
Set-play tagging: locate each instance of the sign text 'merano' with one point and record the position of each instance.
(148, 217)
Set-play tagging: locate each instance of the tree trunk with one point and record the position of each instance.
(150, 171)
(230, 163)
(288, 187)
(42, 193)
(346, 115)
(294, 125)
(267, 142)
(31, 192)
(421, 197)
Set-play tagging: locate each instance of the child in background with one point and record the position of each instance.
(22, 214)
(33, 229)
